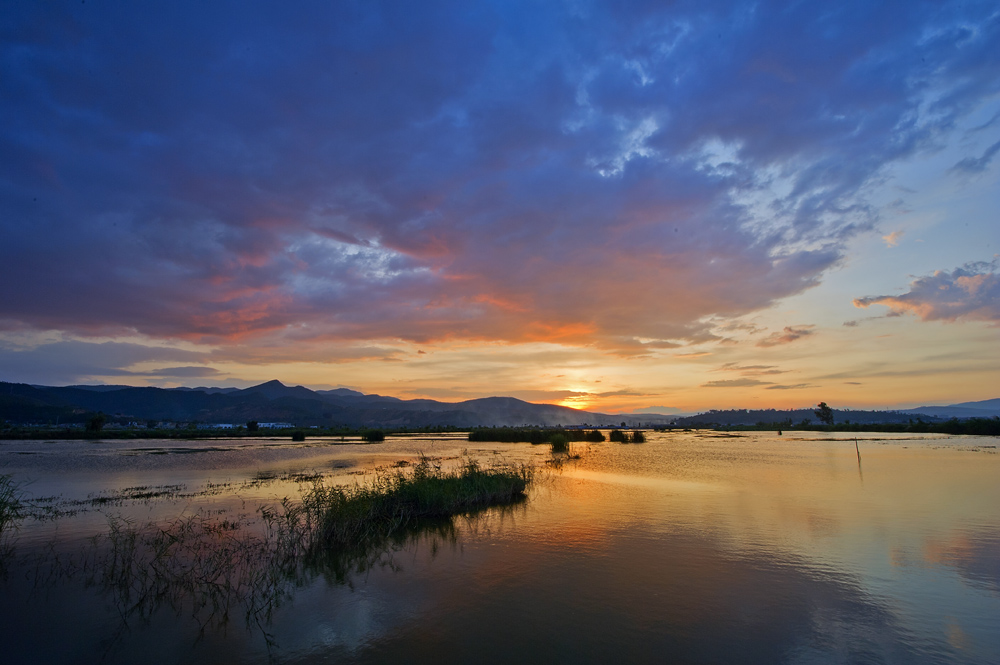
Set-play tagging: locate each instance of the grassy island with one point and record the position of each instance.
(356, 516)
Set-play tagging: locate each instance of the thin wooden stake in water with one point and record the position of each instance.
(861, 475)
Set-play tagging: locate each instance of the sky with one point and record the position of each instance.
(617, 206)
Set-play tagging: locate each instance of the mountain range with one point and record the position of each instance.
(275, 402)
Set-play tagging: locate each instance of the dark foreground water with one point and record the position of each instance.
(691, 548)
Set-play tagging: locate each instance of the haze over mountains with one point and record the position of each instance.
(274, 401)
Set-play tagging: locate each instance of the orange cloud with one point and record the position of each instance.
(892, 239)
(970, 292)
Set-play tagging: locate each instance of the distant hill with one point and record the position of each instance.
(341, 407)
(795, 416)
(274, 401)
(97, 389)
(207, 390)
(987, 408)
(988, 404)
(342, 392)
(790, 416)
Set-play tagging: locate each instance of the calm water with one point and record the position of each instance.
(691, 548)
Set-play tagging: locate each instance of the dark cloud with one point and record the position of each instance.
(61, 363)
(786, 336)
(969, 292)
(796, 386)
(182, 372)
(510, 171)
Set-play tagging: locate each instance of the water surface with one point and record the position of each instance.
(693, 547)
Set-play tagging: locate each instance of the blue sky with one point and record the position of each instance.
(608, 205)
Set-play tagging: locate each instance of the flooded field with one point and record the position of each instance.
(693, 547)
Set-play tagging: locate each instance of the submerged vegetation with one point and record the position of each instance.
(10, 503)
(11, 511)
(210, 568)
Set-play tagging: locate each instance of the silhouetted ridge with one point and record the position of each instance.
(275, 389)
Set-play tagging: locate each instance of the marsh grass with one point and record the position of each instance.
(208, 569)
(216, 569)
(560, 443)
(11, 505)
(621, 436)
(141, 493)
(11, 512)
(357, 516)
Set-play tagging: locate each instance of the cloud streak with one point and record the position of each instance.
(787, 336)
(978, 164)
(735, 383)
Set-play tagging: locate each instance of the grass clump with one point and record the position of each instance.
(560, 443)
(357, 516)
(12, 510)
(11, 506)
(621, 436)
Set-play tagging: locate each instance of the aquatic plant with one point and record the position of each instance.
(12, 510)
(11, 505)
(198, 566)
(348, 517)
(214, 570)
(560, 443)
(621, 436)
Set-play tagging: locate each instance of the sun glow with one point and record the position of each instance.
(578, 400)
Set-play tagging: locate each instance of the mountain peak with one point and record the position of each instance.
(273, 383)
(274, 389)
